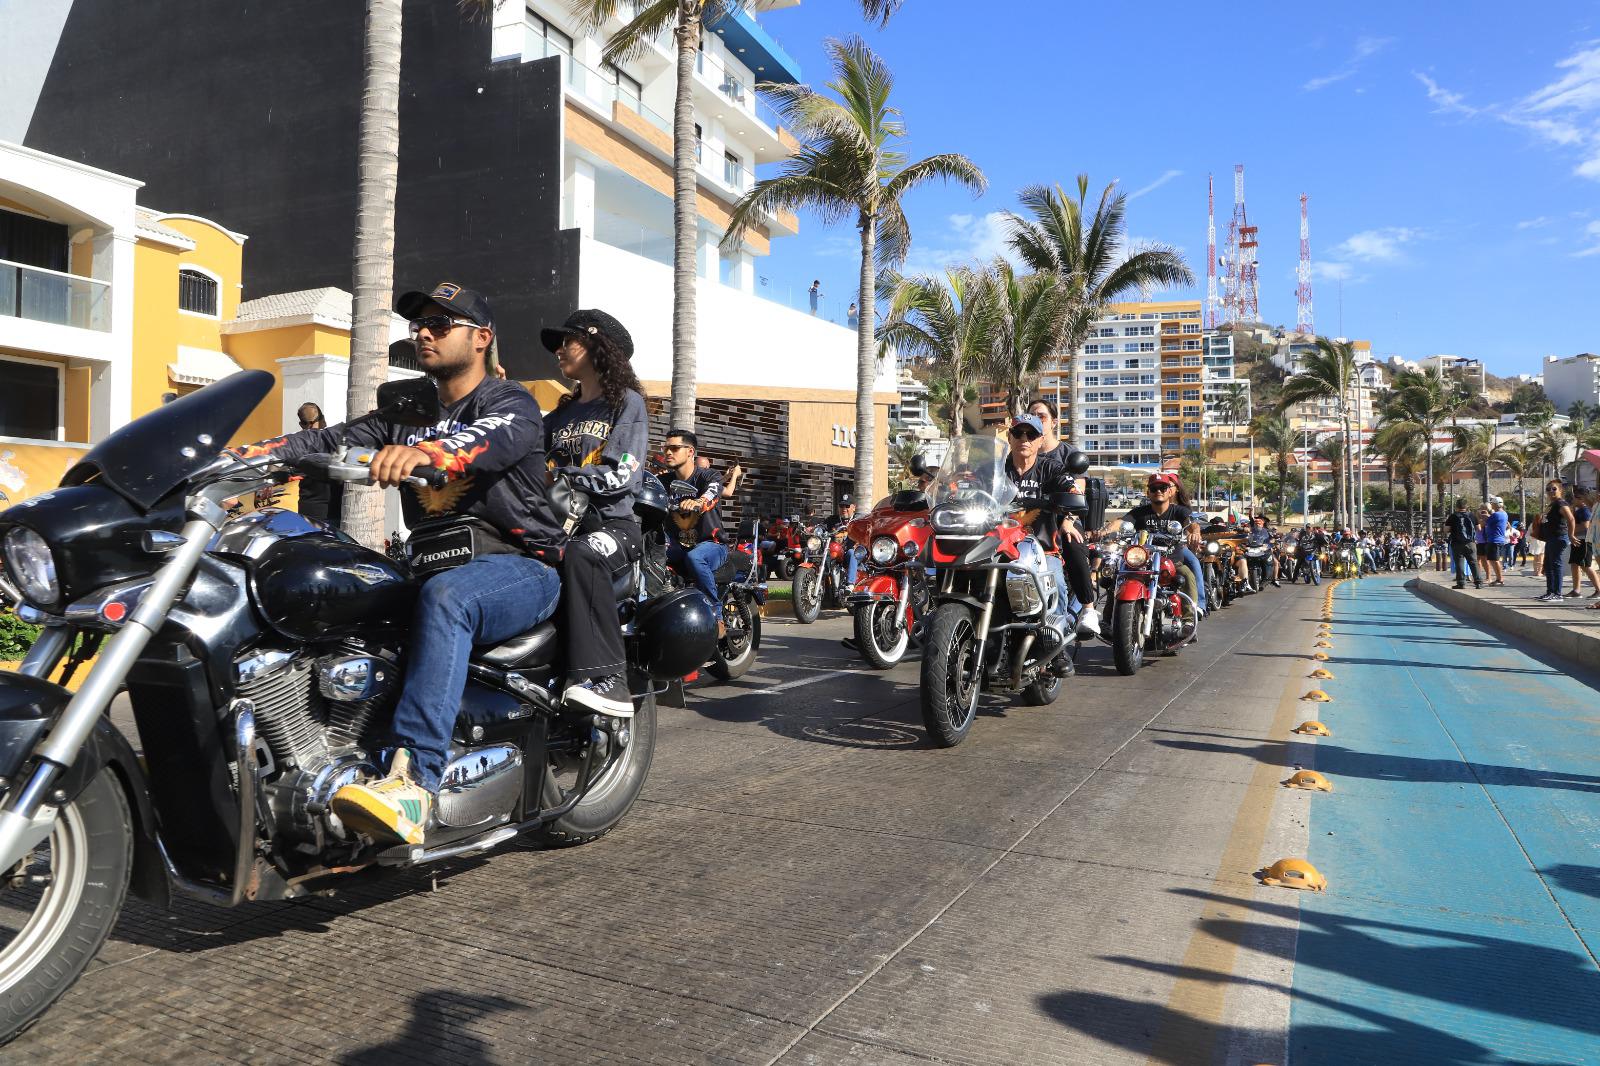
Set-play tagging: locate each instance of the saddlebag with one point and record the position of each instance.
(445, 543)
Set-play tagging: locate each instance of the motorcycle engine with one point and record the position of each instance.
(316, 719)
(1022, 589)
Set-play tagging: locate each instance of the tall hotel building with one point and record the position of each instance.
(530, 168)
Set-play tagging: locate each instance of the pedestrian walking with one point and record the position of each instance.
(1440, 552)
(1495, 534)
(852, 316)
(1582, 561)
(1555, 528)
(1462, 529)
(1515, 551)
(1535, 545)
(815, 292)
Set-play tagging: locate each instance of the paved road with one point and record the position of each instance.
(806, 881)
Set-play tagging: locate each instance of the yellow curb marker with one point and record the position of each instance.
(1323, 644)
(1313, 728)
(1316, 695)
(1320, 674)
(1309, 780)
(1294, 873)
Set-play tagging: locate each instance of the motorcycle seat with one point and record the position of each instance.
(736, 563)
(537, 647)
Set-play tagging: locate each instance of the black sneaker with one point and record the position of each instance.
(605, 695)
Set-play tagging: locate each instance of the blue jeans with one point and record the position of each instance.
(701, 561)
(852, 564)
(484, 602)
(1555, 556)
(1193, 564)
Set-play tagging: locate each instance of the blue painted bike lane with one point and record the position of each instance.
(1461, 844)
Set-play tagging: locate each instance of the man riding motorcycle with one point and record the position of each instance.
(1166, 505)
(490, 442)
(697, 549)
(1038, 476)
(1261, 537)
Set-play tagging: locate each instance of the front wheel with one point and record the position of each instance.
(58, 906)
(1127, 643)
(952, 676)
(617, 784)
(1043, 690)
(736, 652)
(882, 642)
(806, 595)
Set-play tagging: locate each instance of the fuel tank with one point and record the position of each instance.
(321, 588)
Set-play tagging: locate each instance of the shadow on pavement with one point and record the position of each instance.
(1584, 880)
(1343, 762)
(437, 1032)
(1335, 660)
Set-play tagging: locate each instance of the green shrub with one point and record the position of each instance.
(16, 636)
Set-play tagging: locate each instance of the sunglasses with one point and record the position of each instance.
(1160, 486)
(674, 447)
(438, 325)
(304, 424)
(1024, 433)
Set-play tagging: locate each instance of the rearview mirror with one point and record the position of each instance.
(412, 402)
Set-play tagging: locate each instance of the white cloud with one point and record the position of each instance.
(1591, 233)
(966, 239)
(1533, 223)
(1154, 185)
(1365, 48)
(1564, 113)
(1376, 245)
(1323, 270)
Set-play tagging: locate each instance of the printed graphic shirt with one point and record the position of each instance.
(599, 454)
(1044, 478)
(708, 489)
(1145, 519)
(490, 443)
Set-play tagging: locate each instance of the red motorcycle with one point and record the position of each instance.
(819, 577)
(892, 592)
(787, 548)
(1149, 611)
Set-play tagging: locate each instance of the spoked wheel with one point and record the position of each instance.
(625, 753)
(58, 906)
(1127, 643)
(952, 676)
(736, 651)
(807, 594)
(882, 642)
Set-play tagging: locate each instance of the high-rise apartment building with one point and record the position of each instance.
(1575, 379)
(1137, 384)
(1217, 357)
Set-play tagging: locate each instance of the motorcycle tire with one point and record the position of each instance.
(91, 855)
(949, 695)
(1127, 646)
(875, 620)
(806, 597)
(736, 652)
(1042, 692)
(786, 570)
(613, 793)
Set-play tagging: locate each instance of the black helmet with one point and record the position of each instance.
(676, 634)
(650, 501)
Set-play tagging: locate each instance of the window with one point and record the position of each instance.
(1147, 379)
(1131, 346)
(1147, 346)
(732, 170)
(699, 145)
(1130, 364)
(629, 91)
(197, 292)
(1191, 394)
(542, 40)
(1147, 427)
(1092, 379)
(30, 400)
(1147, 331)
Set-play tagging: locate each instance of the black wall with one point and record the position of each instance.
(246, 112)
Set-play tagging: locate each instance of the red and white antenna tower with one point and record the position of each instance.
(1247, 292)
(1211, 256)
(1302, 292)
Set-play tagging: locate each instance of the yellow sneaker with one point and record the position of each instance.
(391, 807)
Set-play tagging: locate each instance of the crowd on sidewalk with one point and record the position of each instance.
(1560, 543)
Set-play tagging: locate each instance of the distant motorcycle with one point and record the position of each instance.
(819, 578)
(893, 591)
(1151, 612)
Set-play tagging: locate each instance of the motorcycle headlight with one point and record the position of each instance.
(1136, 556)
(32, 566)
(813, 543)
(884, 549)
(1213, 548)
(961, 519)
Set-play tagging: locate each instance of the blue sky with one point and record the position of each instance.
(1451, 150)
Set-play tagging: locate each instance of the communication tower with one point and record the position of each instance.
(1302, 292)
(1248, 292)
(1211, 256)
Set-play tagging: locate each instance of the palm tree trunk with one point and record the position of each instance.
(866, 368)
(685, 220)
(372, 287)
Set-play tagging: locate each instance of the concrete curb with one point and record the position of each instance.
(1575, 646)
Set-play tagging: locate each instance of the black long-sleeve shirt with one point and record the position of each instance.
(599, 451)
(490, 444)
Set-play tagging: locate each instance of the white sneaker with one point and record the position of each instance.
(607, 695)
(1089, 622)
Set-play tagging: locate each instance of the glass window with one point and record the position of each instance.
(197, 292)
(30, 400)
(542, 40)
(732, 170)
(629, 92)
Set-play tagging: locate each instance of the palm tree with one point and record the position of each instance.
(902, 450)
(1279, 440)
(1548, 448)
(1513, 455)
(1094, 262)
(1331, 450)
(1329, 373)
(1418, 404)
(851, 164)
(1475, 447)
(949, 321)
(1234, 407)
(1401, 449)
(372, 283)
(1030, 318)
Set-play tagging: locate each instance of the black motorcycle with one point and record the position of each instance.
(262, 656)
(741, 579)
(821, 575)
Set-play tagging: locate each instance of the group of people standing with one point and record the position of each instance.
(1560, 540)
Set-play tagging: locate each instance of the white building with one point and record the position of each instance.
(1217, 355)
(1575, 379)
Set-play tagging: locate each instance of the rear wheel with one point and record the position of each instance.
(1043, 691)
(617, 783)
(58, 906)
(736, 652)
(1127, 644)
(785, 569)
(806, 596)
(951, 675)
(882, 642)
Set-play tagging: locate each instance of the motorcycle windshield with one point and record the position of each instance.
(155, 453)
(974, 474)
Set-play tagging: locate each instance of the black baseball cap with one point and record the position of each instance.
(468, 303)
(588, 323)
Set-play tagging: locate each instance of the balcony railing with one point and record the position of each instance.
(51, 296)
